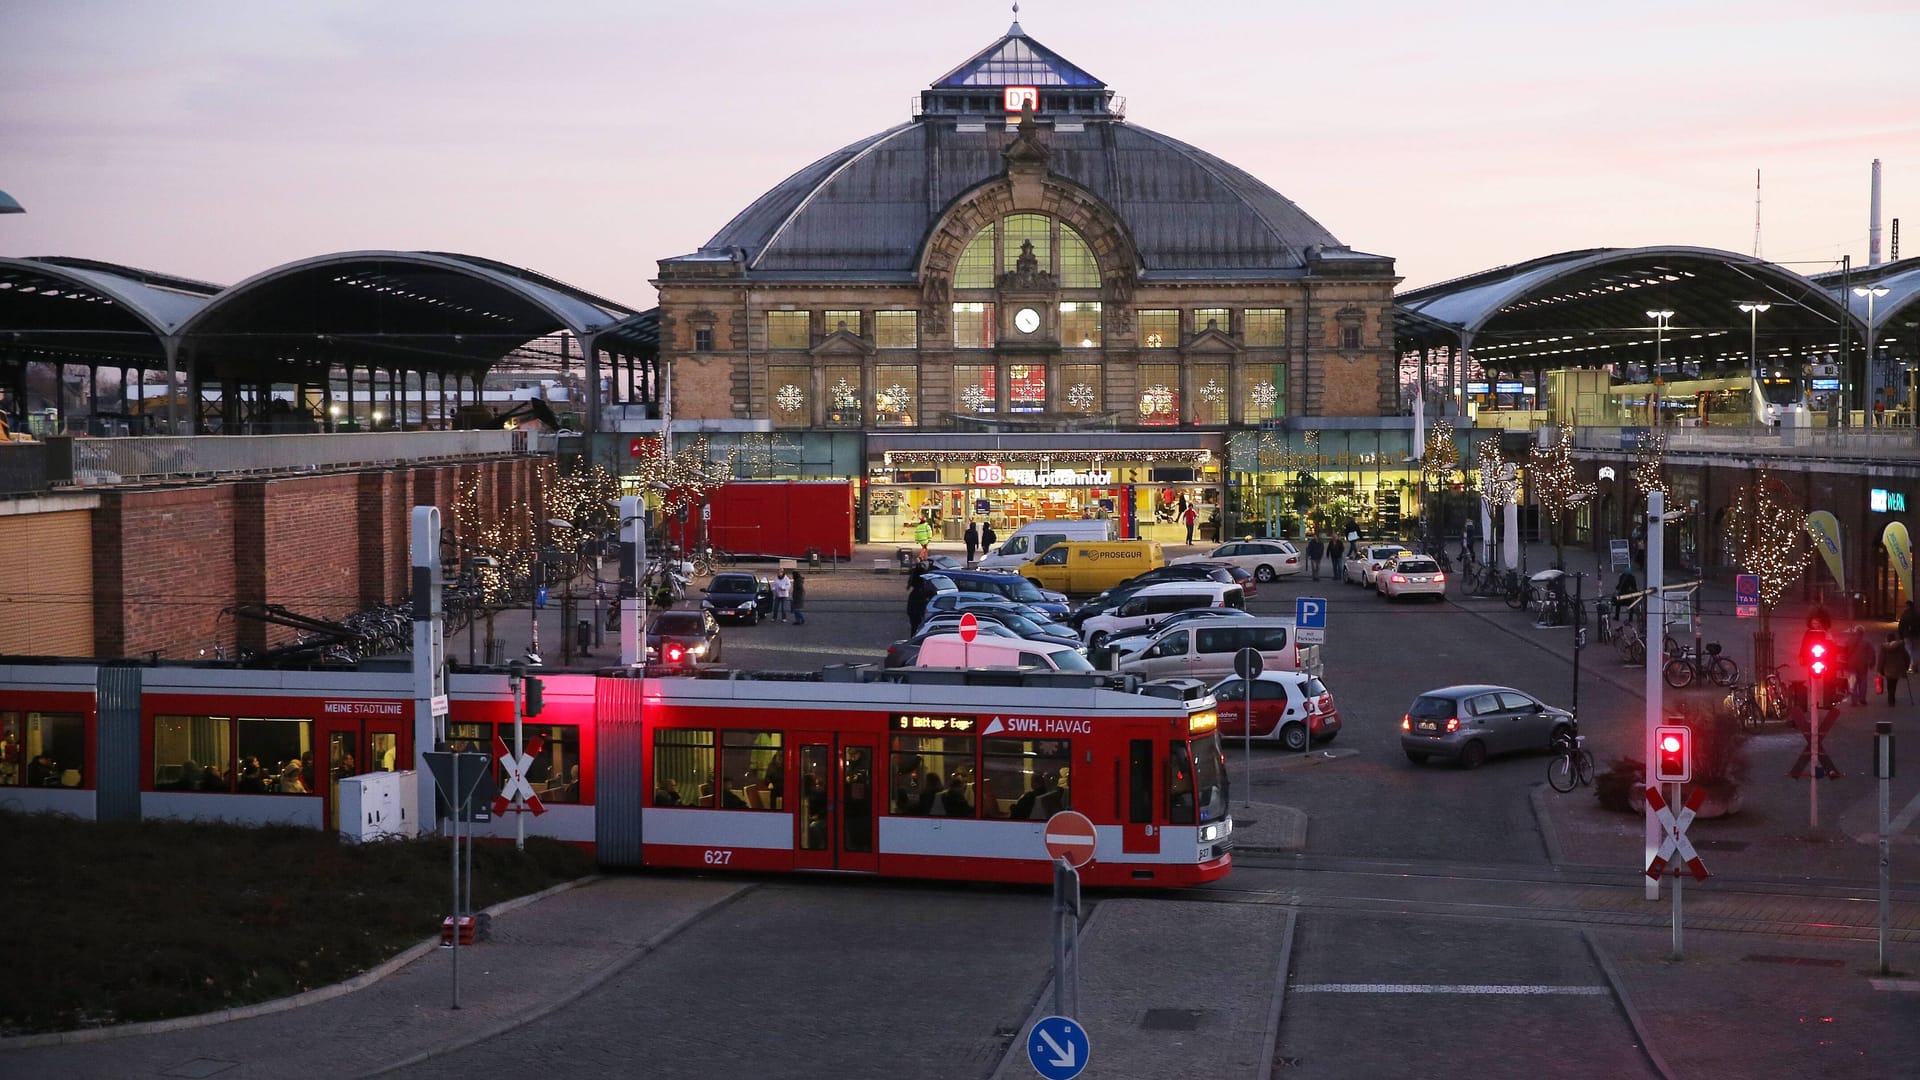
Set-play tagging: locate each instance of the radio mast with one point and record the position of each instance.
(1756, 213)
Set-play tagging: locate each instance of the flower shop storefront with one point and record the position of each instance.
(1297, 481)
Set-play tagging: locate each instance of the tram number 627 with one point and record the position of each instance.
(718, 857)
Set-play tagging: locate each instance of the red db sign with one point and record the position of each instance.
(989, 474)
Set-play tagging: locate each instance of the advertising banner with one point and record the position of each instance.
(1900, 554)
(1826, 539)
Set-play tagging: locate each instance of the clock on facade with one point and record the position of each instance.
(1026, 320)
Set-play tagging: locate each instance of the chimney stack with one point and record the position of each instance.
(1873, 219)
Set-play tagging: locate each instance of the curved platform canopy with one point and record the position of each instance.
(1590, 308)
(77, 311)
(1894, 309)
(409, 311)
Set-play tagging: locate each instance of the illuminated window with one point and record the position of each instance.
(1078, 270)
(751, 771)
(972, 326)
(682, 767)
(896, 395)
(1030, 780)
(1080, 324)
(1266, 393)
(1020, 228)
(791, 389)
(843, 320)
(896, 329)
(1209, 385)
(1265, 328)
(1159, 404)
(1079, 389)
(933, 774)
(1159, 329)
(973, 388)
(1027, 388)
(1211, 318)
(789, 330)
(840, 389)
(975, 269)
(193, 753)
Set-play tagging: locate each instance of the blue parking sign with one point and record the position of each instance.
(1058, 1048)
(1310, 619)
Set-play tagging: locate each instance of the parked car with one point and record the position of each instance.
(1011, 587)
(1132, 640)
(1468, 723)
(1264, 559)
(1029, 540)
(1090, 566)
(1153, 602)
(1248, 586)
(904, 652)
(956, 602)
(947, 650)
(1412, 575)
(1019, 618)
(1292, 708)
(1206, 650)
(1365, 560)
(741, 597)
(679, 639)
(1186, 572)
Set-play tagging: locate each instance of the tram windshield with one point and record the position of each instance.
(1198, 780)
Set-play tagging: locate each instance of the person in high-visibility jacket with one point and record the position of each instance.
(923, 535)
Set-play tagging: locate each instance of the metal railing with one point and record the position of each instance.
(106, 462)
(1845, 444)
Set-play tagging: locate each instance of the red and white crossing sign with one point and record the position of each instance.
(1070, 836)
(1674, 834)
(969, 628)
(516, 793)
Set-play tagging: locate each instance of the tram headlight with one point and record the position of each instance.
(1210, 833)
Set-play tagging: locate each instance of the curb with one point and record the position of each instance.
(267, 1008)
(1544, 819)
(1041, 1007)
(1272, 1035)
(1620, 997)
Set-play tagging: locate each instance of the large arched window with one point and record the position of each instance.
(1058, 247)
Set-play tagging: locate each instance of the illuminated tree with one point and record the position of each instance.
(1437, 466)
(1557, 485)
(682, 479)
(1767, 536)
(1498, 488)
(1649, 470)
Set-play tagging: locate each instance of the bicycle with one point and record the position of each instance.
(1572, 763)
(1682, 670)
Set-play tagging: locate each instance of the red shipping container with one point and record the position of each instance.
(776, 518)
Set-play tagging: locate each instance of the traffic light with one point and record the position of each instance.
(1673, 754)
(536, 697)
(1817, 654)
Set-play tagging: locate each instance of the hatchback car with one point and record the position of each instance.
(740, 597)
(1366, 560)
(954, 603)
(1011, 587)
(1468, 723)
(1289, 707)
(677, 640)
(1412, 575)
(1264, 559)
(1249, 585)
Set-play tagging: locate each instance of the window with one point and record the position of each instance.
(1159, 329)
(555, 770)
(42, 749)
(1078, 270)
(683, 767)
(1266, 393)
(895, 394)
(1027, 388)
(1180, 794)
(837, 321)
(752, 770)
(1211, 318)
(1080, 324)
(1056, 557)
(1350, 338)
(1036, 229)
(791, 391)
(1174, 644)
(789, 330)
(274, 756)
(933, 775)
(896, 329)
(1079, 389)
(192, 753)
(842, 392)
(703, 339)
(1025, 779)
(973, 388)
(1265, 328)
(972, 326)
(975, 268)
(1210, 396)
(1159, 394)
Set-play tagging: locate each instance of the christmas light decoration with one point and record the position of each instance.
(680, 479)
(1212, 392)
(1442, 456)
(1080, 397)
(1496, 486)
(1264, 395)
(1556, 485)
(1767, 532)
(845, 395)
(973, 398)
(895, 398)
(1649, 470)
(789, 398)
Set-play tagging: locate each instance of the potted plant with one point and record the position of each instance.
(1720, 766)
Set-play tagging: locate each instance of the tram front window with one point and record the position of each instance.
(1780, 391)
(1196, 781)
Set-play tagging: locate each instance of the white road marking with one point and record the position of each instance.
(1908, 985)
(1444, 988)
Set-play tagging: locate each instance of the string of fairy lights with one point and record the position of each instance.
(1556, 480)
(1768, 532)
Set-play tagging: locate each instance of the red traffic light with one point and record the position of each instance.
(1671, 744)
(1817, 654)
(676, 653)
(1672, 754)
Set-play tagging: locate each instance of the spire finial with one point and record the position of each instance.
(1015, 28)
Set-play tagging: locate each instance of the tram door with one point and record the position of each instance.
(355, 746)
(834, 829)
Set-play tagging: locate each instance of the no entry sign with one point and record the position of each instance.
(1069, 835)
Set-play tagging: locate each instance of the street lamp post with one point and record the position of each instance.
(1753, 308)
(1659, 317)
(1872, 293)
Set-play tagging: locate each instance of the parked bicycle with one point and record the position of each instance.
(1685, 669)
(1752, 705)
(1572, 763)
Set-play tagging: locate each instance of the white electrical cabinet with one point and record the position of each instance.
(378, 805)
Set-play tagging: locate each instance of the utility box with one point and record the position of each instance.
(379, 805)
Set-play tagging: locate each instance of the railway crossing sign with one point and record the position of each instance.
(1674, 833)
(516, 793)
(969, 628)
(1824, 770)
(1058, 1047)
(1310, 620)
(1070, 836)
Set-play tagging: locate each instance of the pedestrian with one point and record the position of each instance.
(782, 592)
(987, 538)
(923, 535)
(1337, 552)
(1909, 630)
(1860, 660)
(1315, 552)
(798, 599)
(918, 593)
(972, 539)
(1189, 517)
(1893, 666)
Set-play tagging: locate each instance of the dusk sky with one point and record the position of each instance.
(589, 140)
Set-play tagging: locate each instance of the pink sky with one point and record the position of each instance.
(589, 140)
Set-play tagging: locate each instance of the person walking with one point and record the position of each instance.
(1337, 552)
(1315, 552)
(782, 592)
(987, 539)
(1909, 630)
(918, 593)
(972, 539)
(1893, 666)
(798, 599)
(1190, 516)
(1860, 660)
(923, 535)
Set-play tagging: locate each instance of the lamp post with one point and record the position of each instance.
(1659, 317)
(1872, 293)
(1753, 308)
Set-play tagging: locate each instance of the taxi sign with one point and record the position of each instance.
(969, 628)
(1070, 836)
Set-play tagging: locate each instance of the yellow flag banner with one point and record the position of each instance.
(1826, 537)
(1900, 554)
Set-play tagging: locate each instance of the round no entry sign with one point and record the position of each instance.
(969, 627)
(1069, 835)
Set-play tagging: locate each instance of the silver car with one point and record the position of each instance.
(1467, 723)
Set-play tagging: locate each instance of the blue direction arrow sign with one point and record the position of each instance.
(1058, 1048)
(1746, 595)
(1310, 619)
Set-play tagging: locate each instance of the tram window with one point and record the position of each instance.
(1025, 779)
(1179, 783)
(751, 769)
(470, 738)
(932, 774)
(42, 749)
(557, 765)
(1140, 781)
(683, 767)
(192, 753)
(275, 756)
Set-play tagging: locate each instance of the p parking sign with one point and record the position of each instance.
(1310, 620)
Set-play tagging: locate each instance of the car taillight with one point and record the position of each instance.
(1406, 722)
(1326, 702)
(1453, 723)
(1401, 578)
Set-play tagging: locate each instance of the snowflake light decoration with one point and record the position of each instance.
(844, 395)
(1313, 440)
(898, 398)
(1156, 399)
(1212, 392)
(1080, 396)
(973, 398)
(789, 398)
(1264, 395)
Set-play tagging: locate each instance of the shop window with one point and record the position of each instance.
(1078, 269)
(1159, 329)
(896, 329)
(751, 770)
(836, 321)
(1266, 393)
(1209, 384)
(975, 268)
(274, 756)
(1212, 318)
(1027, 228)
(896, 400)
(1265, 328)
(1159, 404)
(192, 753)
(973, 388)
(683, 767)
(1028, 779)
(1080, 324)
(842, 391)
(789, 330)
(1079, 388)
(792, 400)
(1027, 388)
(973, 326)
(934, 775)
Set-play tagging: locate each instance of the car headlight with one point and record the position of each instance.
(747, 605)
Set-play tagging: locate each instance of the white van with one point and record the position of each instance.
(948, 651)
(1029, 540)
(1205, 650)
(1156, 602)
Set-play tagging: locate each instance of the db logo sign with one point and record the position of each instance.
(989, 474)
(1018, 97)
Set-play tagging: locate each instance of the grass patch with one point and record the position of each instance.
(124, 922)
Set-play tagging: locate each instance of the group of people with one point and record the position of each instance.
(1331, 547)
(789, 597)
(979, 540)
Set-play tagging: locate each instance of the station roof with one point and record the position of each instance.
(80, 311)
(1899, 306)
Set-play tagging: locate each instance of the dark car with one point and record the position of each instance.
(1011, 586)
(951, 603)
(1110, 599)
(739, 597)
(677, 640)
(1468, 723)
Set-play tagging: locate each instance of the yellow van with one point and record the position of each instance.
(1090, 566)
